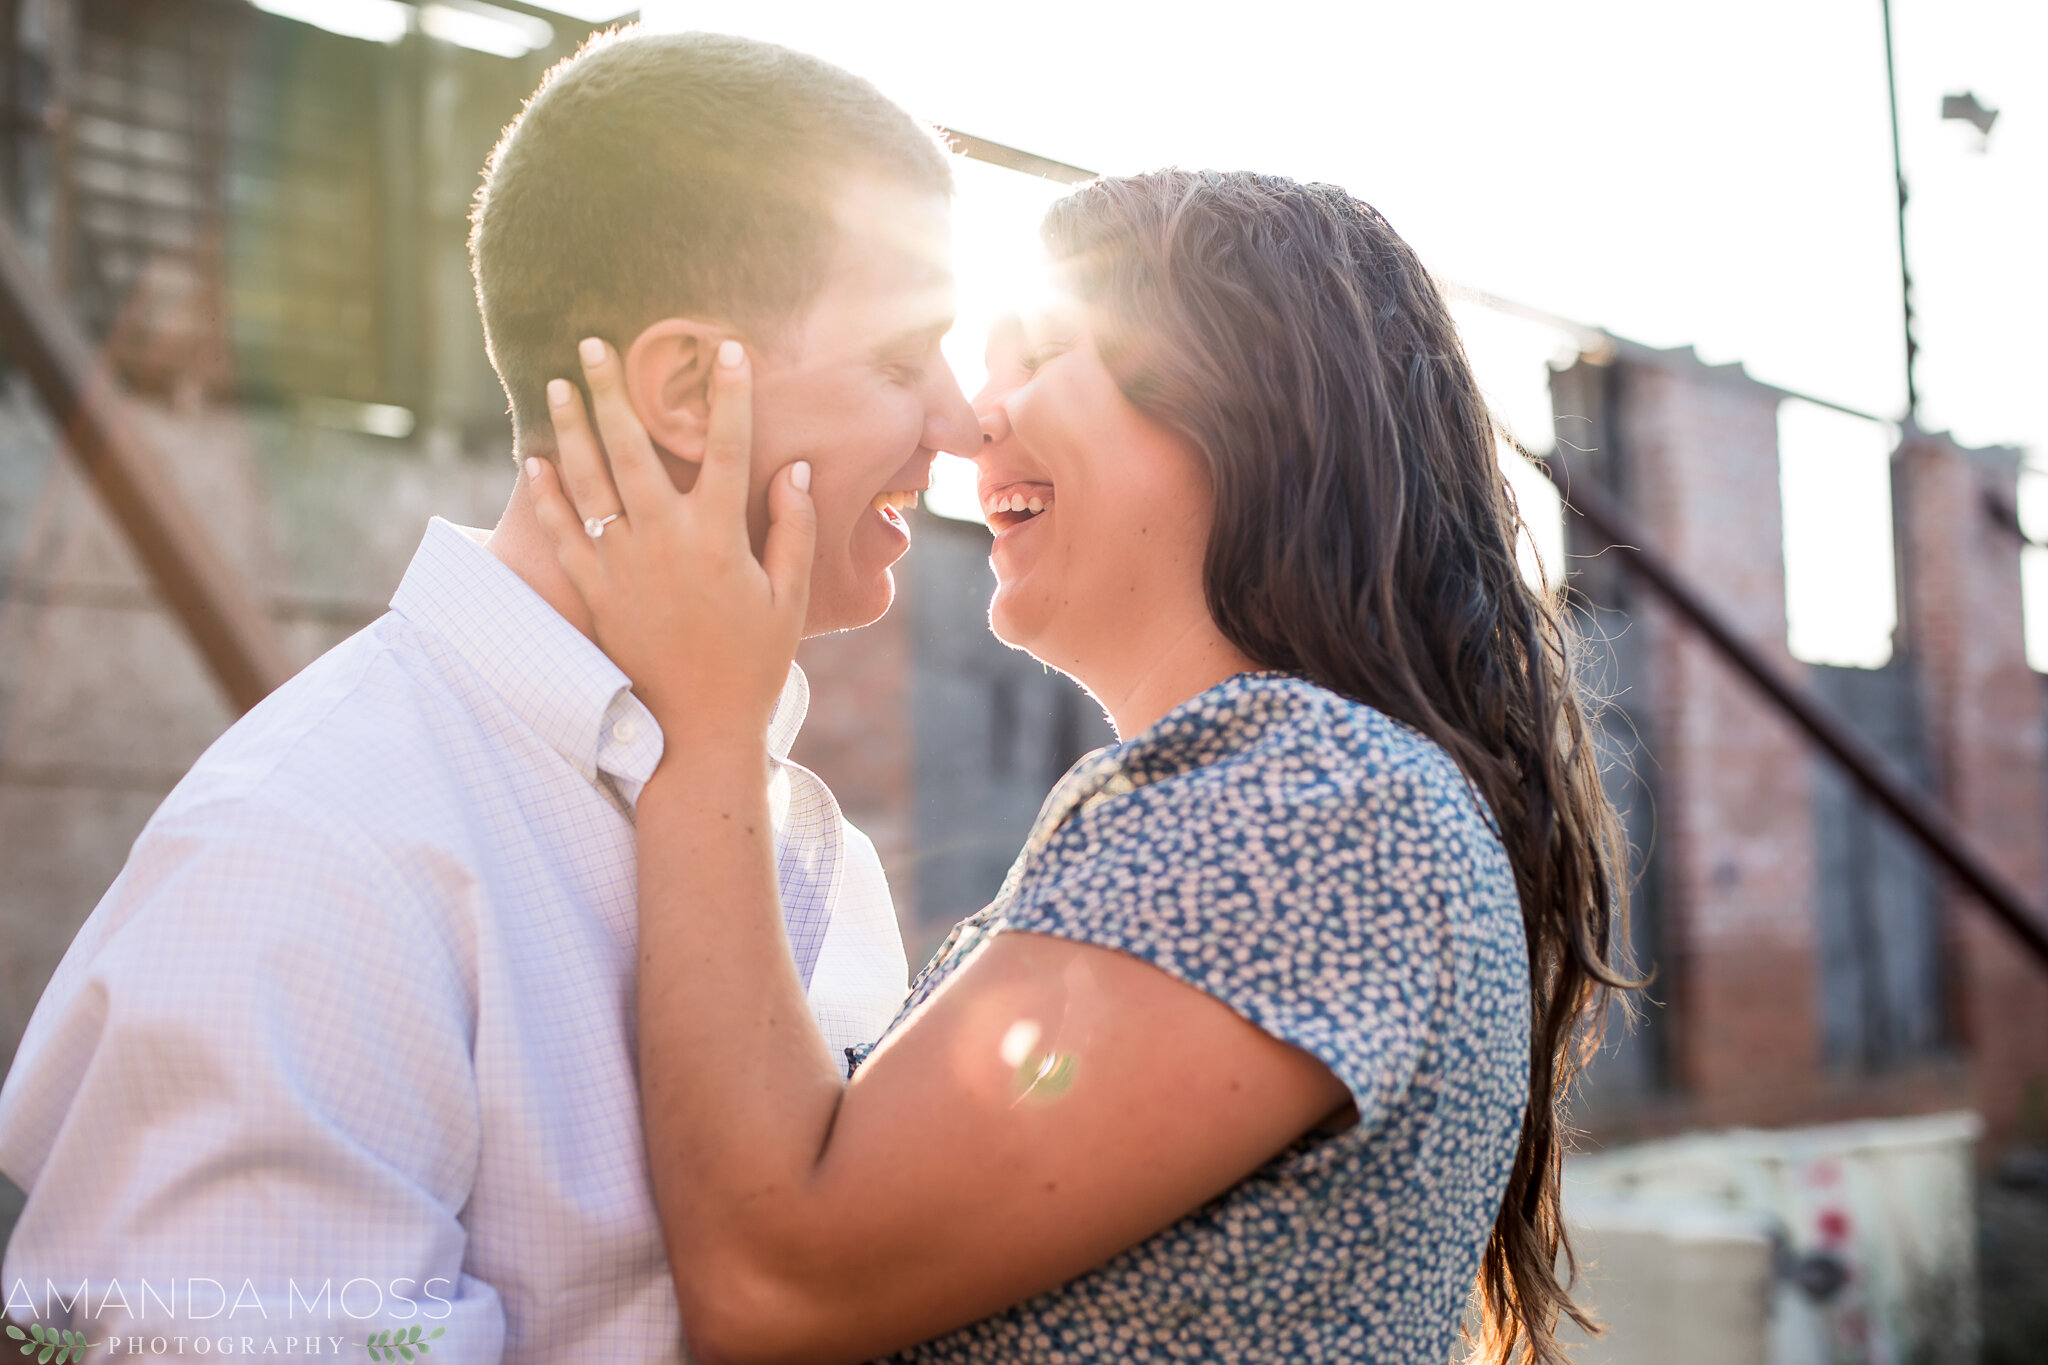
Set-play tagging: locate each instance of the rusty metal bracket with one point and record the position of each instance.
(1871, 771)
(227, 621)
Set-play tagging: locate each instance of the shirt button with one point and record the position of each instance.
(625, 731)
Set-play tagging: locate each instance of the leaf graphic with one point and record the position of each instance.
(438, 1332)
(405, 1351)
(16, 1332)
(28, 1348)
(414, 1334)
(423, 1348)
(36, 1330)
(49, 1349)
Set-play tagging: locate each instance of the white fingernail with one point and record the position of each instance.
(592, 351)
(532, 470)
(800, 475)
(730, 353)
(558, 393)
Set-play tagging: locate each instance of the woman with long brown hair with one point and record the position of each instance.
(1260, 1052)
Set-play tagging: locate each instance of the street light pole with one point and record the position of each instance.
(1891, 75)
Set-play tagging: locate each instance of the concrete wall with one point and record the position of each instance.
(1882, 996)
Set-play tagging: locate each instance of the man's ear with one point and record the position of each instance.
(668, 374)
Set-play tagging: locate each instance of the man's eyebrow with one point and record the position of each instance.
(916, 338)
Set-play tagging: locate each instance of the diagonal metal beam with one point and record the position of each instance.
(1015, 158)
(1929, 825)
(227, 622)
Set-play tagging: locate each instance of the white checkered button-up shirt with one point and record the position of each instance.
(360, 1008)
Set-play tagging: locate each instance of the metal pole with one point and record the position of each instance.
(1921, 818)
(1891, 77)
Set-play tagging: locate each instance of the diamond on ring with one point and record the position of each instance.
(594, 526)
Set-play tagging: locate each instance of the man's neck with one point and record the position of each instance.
(522, 546)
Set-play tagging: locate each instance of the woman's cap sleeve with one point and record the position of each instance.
(1324, 886)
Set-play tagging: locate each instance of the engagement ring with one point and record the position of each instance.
(594, 526)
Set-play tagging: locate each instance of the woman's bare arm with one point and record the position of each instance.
(1052, 1104)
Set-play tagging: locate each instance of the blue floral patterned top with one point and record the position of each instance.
(1328, 873)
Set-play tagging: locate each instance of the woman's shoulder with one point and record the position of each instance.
(1283, 735)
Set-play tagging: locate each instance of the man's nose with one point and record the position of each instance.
(951, 425)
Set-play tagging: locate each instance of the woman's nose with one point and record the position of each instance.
(995, 424)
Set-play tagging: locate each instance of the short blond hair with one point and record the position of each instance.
(654, 175)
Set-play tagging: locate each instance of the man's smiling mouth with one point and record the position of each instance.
(894, 508)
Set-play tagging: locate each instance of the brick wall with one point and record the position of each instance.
(1732, 778)
(1731, 857)
(857, 737)
(1962, 632)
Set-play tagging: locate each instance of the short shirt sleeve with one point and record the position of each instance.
(1315, 877)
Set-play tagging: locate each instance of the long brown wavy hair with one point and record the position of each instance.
(1365, 537)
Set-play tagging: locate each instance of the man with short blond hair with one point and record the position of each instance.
(351, 1036)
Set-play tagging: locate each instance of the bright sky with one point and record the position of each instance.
(1718, 176)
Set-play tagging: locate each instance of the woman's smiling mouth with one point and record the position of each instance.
(1014, 504)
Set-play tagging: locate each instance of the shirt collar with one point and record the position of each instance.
(547, 672)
